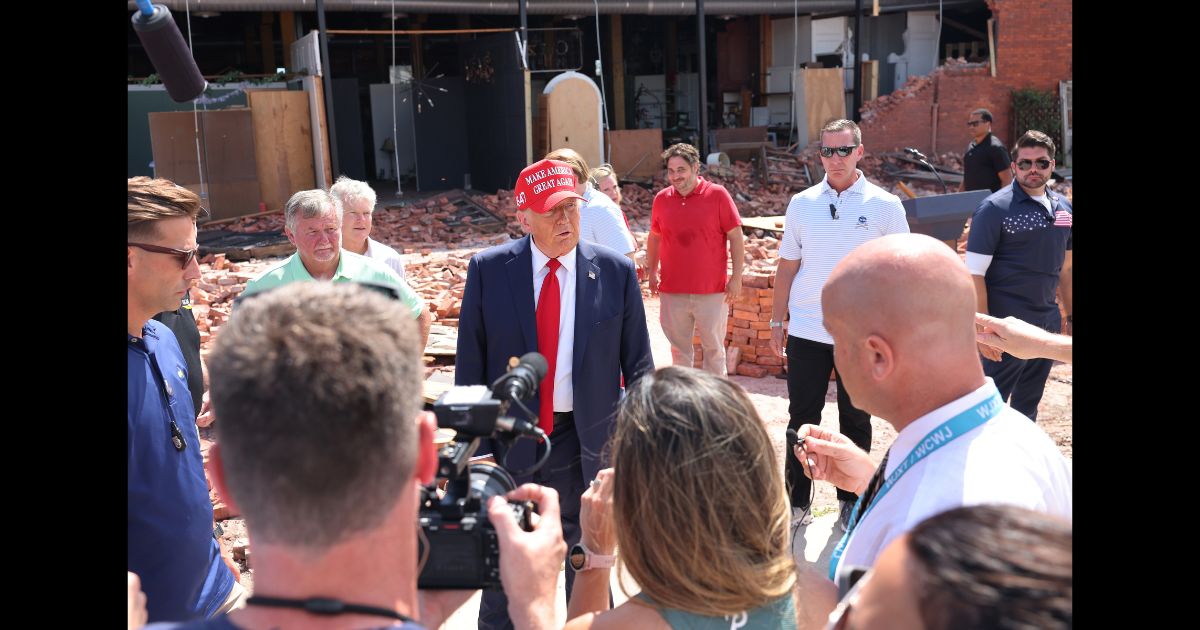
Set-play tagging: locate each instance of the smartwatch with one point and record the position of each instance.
(582, 559)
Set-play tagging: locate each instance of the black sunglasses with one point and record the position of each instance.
(972, 123)
(185, 256)
(842, 151)
(1023, 165)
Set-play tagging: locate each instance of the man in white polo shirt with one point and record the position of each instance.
(901, 312)
(823, 224)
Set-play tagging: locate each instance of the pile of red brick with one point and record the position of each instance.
(221, 281)
(911, 88)
(748, 335)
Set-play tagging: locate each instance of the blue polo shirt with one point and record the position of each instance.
(170, 545)
(1028, 245)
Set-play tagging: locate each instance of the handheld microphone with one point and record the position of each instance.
(168, 53)
(795, 440)
(523, 379)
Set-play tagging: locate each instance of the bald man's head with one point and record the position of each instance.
(900, 308)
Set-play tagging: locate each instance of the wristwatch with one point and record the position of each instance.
(775, 324)
(582, 559)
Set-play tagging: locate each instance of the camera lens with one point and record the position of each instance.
(489, 480)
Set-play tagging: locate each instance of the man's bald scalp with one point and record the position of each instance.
(908, 288)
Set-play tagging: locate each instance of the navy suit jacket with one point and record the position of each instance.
(498, 321)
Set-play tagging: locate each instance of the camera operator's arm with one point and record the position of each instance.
(590, 593)
(836, 459)
(530, 561)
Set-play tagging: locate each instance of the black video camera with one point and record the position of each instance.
(463, 551)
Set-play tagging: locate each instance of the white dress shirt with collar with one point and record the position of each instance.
(564, 393)
(1008, 460)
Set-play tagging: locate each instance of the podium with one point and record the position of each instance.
(942, 216)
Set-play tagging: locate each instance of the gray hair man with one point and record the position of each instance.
(313, 223)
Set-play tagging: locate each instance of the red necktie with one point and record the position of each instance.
(547, 333)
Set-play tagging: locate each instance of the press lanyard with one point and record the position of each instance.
(944, 434)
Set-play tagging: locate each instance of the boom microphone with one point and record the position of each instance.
(523, 379)
(172, 59)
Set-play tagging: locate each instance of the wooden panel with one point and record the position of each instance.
(870, 80)
(636, 152)
(771, 223)
(616, 62)
(573, 111)
(283, 142)
(820, 97)
(227, 152)
(322, 165)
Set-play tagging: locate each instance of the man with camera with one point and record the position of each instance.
(327, 463)
(578, 305)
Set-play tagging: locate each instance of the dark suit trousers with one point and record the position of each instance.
(809, 363)
(564, 473)
(1024, 380)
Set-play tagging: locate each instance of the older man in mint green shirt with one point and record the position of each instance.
(313, 223)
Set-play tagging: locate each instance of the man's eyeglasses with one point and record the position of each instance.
(1023, 165)
(972, 123)
(185, 256)
(842, 151)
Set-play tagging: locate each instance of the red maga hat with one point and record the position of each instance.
(545, 184)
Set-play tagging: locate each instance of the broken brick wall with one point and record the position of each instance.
(1033, 50)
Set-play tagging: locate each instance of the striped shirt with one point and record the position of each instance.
(601, 222)
(865, 211)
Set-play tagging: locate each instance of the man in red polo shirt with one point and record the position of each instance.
(690, 223)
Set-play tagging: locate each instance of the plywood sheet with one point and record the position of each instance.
(283, 142)
(870, 80)
(573, 114)
(820, 97)
(636, 152)
(227, 153)
(772, 223)
(825, 97)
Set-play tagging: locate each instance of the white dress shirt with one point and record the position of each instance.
(1008, 460)
(564, 393)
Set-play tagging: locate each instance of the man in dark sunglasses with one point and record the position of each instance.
(171, 545)
(1019, 254)
(823, 224)
(985, 162)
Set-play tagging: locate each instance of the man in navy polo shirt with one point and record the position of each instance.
(171, 546)
(1019, 253)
